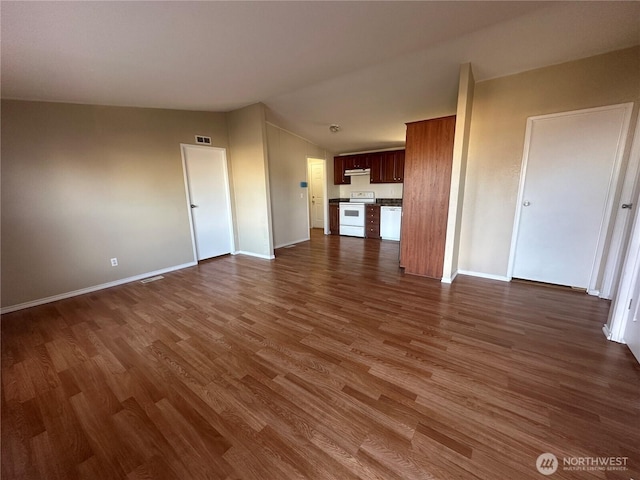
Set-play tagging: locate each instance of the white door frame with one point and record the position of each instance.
(184, 146)
(619, 312)
(611, 191)
(623, 220)
(325, 206)
(620, 308)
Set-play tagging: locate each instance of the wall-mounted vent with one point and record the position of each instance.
(203, 140)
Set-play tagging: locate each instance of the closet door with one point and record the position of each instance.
(207, 182)
(569, 176)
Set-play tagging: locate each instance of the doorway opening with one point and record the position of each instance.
(317, 196)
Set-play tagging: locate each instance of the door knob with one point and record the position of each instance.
(194, 206)
(526, 203)
(627, 205)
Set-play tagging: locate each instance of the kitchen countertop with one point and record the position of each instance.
(384, 202)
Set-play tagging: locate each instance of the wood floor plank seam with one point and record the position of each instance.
(327, 363)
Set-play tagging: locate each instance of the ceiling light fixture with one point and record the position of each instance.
(334, 128)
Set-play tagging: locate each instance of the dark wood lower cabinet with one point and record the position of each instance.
(372, 221)
(334, 218)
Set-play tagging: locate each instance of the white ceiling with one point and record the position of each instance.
(368, 66)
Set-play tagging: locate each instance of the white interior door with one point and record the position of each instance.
(209, 200)
(317, 195)
(569, 171)
(632, 332)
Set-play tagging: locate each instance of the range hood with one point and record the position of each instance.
(357, 171)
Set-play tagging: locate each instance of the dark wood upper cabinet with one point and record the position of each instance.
(398, 166)
(425, 201)
(376, 164)
(339, 177)
(360, 161)
(387, 167)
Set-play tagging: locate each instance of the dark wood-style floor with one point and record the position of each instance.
(326, 363)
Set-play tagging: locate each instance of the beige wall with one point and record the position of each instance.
(496, 141)
(287, 168)
(464, 110)
(249, 171)
(82, 184)
(333, 190)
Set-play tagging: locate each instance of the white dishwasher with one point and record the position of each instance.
(390, 218)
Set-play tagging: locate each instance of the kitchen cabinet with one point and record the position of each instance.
(387, 167)
(334, 219)
(376, 161)
(372, 221)
(358, 161)
(339, 167)
(425, 201)
(397, 171)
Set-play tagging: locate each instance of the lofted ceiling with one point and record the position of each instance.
(368, 66)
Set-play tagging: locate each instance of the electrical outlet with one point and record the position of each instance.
(114, 262)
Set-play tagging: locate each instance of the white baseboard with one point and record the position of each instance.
(606, 331)
(609, 334)
(490, 276)
(450, 279)
(293, 243)
(95, 288)
(257, 255)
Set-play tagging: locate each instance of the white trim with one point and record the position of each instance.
(308, 191)
(450, 279)
(606, 331)
(624, 217)
(594, 293)
(292, 243)
(325, 192)
(257, 255)
(614, 181)
(227, 188)
(187, 196)
(489, 276)
(613, 184)
(619, 312)
(516, 220)
(95, 288)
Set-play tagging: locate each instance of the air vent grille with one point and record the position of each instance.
(152, 279)
(202, 140)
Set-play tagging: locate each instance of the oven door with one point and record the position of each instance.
(352, 214)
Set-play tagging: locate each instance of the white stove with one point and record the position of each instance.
(352, 213)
